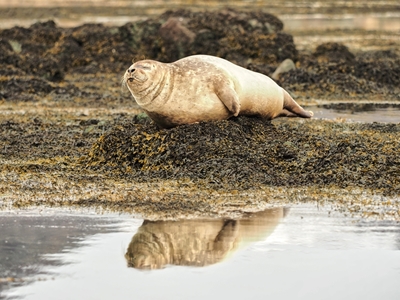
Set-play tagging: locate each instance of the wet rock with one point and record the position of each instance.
(68, 53)
(231, 33)
(45, 32)
(337, 73)
(174, 30)
(176, 36)
(384, 72)
(244, 153)
(286, 66)
(25, 88)
(102, 45)
(251, 39)
(43, 67)
(333, 52)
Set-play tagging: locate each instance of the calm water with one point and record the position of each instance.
(293, 22)
(301, 14)
(305, 252)
(356, 112)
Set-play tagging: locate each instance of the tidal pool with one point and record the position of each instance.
(358, 112)
(302, 252)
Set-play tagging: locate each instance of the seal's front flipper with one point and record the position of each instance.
(290, 105)
(228, 97)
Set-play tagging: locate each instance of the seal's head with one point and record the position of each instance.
(145, 80)
(141, 76)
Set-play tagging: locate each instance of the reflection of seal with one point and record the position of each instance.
(203, 88)
(197, 242)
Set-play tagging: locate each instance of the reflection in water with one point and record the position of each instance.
(197, 242)
(334, 256)
(27, 241)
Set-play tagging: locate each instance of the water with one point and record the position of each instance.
(304, 14)
(305, 252)
(358, 112)
(381, 22)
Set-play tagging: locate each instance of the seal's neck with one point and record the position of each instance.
(158, 90)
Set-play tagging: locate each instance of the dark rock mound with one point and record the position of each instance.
(244, 153)
(23, 88)
(333, 52)
(333, 71)
(238, 36)
(48, 52)
(252, 39)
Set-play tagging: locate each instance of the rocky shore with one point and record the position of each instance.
(70, 135)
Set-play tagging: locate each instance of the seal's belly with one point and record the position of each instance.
(196, 107)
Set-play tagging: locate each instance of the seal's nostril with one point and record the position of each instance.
(131, 70)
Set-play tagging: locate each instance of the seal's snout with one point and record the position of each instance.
(129, 73)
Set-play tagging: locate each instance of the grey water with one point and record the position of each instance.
(358, 112)
(295, 14)
(302, 252)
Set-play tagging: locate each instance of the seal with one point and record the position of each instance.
(205, 88)
(198, 242)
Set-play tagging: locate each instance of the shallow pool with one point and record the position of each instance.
(358, 112)
(302, 252)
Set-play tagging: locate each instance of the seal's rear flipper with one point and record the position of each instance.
(286, 113)
(291, 106)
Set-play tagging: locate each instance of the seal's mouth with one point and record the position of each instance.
(132, 78)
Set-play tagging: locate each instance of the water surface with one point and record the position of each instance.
(358, 112)
(303, 15)
(305, 252)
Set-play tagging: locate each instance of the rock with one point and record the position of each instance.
(176, 37)
(333, 52)
(284, 67)
(175, 31)
(243, 153)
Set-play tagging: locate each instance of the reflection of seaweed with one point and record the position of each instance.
(197, 242)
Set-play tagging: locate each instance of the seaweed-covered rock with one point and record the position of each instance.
(252, 39)
(333, 52)
(48, 52)
(333, 71)
(243, 153)
(23, 88)
(238, 36)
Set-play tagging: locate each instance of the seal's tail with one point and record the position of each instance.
(290, 105)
